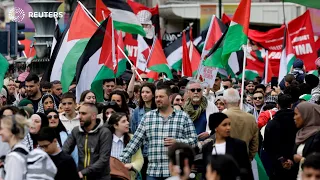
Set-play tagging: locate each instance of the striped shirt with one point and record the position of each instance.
(117, 146)
(154, 129)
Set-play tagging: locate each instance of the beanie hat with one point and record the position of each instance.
(24, 102)
(216, 119)
(298, 63)
(312, 80)
(305, 97)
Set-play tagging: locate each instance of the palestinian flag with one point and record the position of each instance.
(157, 61)
(195, 58)
(186, 64)
(309, 3)
(122, 60)
(259, 172)
(155, 19)
(173, 52)
(226, 19)
(142, 55)
(287, 56)
(122, 14)
(68, 51)
(3, 68)
(98, 61)
(234, 38)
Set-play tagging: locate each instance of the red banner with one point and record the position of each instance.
(301, 35)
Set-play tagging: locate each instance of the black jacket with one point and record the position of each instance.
(235, 148)
(66, 166)
(312, 144)
(280, 134)
(279, 140)
(94, 150)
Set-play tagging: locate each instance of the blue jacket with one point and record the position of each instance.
(138, 113)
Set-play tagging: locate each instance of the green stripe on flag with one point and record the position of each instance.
(261, 171)
(129, 28)
(96, 85)
(177, 65)
(70, 64)
(3, 68)
(122, 66)
(162, 68)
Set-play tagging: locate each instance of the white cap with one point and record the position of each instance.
(144, 17)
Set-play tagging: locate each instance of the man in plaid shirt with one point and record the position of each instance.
(161, 128)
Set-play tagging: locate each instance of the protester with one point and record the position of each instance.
(88, 97)
(108, 109)
(220, 103)
(46, 102)
(241, 119)
(33, 90)
(119, 126)
(181, 159)
(38, 121)
(45, 87)
(222, 167)
(279, 139)
(26, 102)
(249, 85)
(258, 103)
(3, 97)
(69, 117)
(12, 96)
(119, 97)
(108, 86)
(66, 166)
(199, 109)
(8, 111)
(177, 99)
(221, 143)
(311, 167)
(93, 142)
(56, 89)
(179, 128)
(226, 83)
(306, 116)
(12, 131)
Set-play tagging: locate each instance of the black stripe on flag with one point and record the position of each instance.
(94, 44)
(117, 4)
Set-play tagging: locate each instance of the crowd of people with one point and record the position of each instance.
(167, 129)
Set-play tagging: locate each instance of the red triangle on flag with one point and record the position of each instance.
(186, 64)
(108, 54)
(102, 10)
(81, 26)
(157, 55)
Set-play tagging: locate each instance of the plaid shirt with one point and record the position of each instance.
(154, 128)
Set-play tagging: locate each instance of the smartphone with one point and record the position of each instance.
(274, 82)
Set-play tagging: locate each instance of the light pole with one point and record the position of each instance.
(220, 8)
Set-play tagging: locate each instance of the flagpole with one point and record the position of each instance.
(266, 68)
(98, 24)
(243, 74)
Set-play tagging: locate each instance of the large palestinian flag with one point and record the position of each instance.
(67, 52)
(98, 61)
(122, 14)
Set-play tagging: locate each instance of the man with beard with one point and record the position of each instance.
(94, 144)
(199, 109)
(258, 103)
(161, 128)
(34, 94)
(56, 91)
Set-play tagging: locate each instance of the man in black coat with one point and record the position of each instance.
(279, 139)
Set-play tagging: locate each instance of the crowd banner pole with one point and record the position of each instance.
(243, 74)
(266, 68)
(98, 24)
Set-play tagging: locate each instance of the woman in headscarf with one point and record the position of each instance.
(220, 143)
(38, 121)
(47, 102)
(307, 119)
(54, 122)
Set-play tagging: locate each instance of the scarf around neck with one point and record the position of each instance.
(195, 113)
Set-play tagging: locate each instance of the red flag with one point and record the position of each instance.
(226, 19)
(186, 64)
(195, 58)
(102, 12)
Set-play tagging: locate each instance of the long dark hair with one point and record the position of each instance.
(59, 128)
(124, 106)
(107, 105)
(114, 120)
(152, 87)
(84, 94)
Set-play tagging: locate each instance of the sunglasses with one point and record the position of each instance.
(107, 103)
(145, 79)
(53, 117)
(197, 89)
(256, 98)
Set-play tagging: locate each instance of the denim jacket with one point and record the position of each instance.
(138, 113)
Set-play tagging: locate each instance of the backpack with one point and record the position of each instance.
(39, 164)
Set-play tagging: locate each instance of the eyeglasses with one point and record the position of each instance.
(256, 98)
(53, 117)
(44, 146)
(197, 89)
